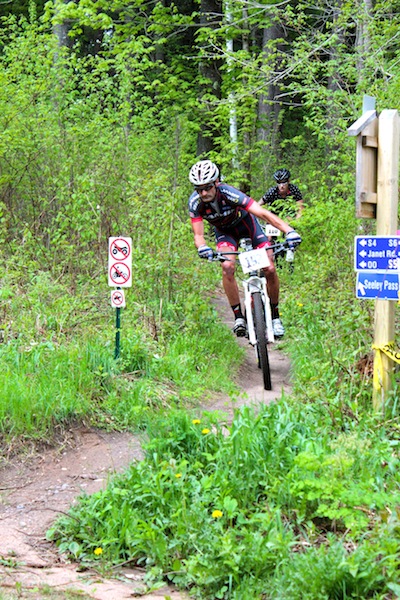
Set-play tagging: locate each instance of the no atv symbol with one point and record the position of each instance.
(120, 248)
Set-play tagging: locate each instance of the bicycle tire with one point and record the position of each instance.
(261, 336)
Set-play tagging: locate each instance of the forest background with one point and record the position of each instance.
(104, 106)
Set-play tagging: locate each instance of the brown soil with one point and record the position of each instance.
(35, 489)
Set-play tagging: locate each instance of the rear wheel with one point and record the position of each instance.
(261, 335)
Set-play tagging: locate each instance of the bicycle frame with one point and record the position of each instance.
(255, 283)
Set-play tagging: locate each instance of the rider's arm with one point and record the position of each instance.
(269, 217)
(298, 196)
(300, 208)
(198, 232)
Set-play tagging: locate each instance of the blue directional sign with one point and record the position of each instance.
(379, 286)
(377, 253)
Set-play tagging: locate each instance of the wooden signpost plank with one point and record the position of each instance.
(386, 224)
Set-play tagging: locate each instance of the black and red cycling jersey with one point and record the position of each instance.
(229, 216)
(227, 209)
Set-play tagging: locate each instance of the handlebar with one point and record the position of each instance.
(277, 248)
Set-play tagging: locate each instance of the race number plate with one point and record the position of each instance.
(271, 231)
(254, 260)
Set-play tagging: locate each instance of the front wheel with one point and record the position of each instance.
(261, 336)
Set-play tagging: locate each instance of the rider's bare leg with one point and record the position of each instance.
(229, 282)
(272, 279)
(232, 293)
(272, 285)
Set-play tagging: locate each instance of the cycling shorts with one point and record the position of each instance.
(248, 227)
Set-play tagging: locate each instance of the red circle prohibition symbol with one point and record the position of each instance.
(120, 273)
(120, 245)
(117, 297)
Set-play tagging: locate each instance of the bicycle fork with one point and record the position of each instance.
(251, 285)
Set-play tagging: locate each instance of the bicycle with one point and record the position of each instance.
(256, 299)
(282, 254)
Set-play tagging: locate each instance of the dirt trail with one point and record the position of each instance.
(249, 377)
(36, 489)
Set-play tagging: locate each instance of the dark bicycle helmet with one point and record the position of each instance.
(281, 175)
(203, 172)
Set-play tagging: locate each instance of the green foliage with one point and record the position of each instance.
(301, 500)
(203, 498)
(67, 134)
(329, 571)
(77, 167)
(320, 305)
(28, 8)
(58, 366)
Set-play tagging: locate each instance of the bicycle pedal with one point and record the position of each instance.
(241, 333)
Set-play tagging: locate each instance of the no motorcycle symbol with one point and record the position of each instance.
(120, 274)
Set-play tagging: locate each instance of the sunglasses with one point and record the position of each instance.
(204, 188)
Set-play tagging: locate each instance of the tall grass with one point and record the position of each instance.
(248, 514)
(58, 361)
(329, 329)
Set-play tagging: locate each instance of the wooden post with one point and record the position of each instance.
(366, 130)
(386, 224)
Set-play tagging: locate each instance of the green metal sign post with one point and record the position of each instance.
(117, 333)
(117, 301)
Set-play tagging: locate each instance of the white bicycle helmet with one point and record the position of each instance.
(203, 172)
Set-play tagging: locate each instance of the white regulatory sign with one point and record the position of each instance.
(118, 299)
(120, 261)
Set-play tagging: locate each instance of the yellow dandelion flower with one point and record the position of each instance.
(205, 431)
(217, 514)
(98, 551)
(196, 421)
(300, 304)
(177, 475)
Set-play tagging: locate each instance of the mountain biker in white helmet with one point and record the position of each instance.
(232, 214)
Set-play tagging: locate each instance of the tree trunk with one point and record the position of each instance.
(363, 39)
(268, 104)
(61, 30)
(159, 53)
(210, 16)
(245, 185)
(233, 123)
(334, 79)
